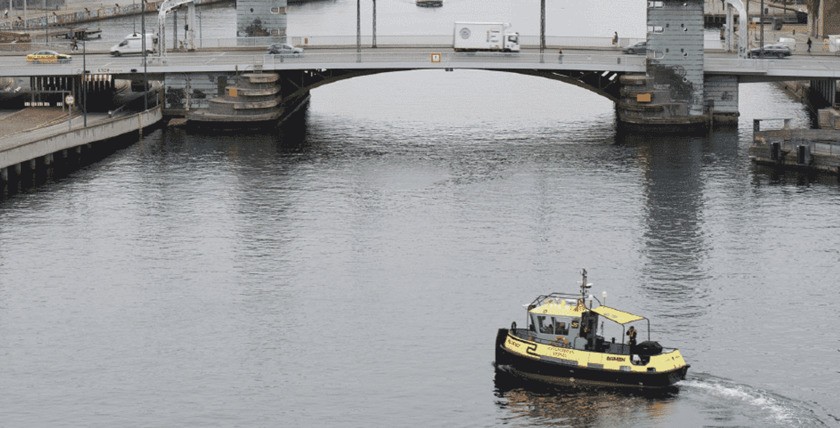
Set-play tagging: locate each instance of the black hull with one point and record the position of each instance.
(553, 373)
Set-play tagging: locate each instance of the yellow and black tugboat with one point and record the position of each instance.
(562, 345)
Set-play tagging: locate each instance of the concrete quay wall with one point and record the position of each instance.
(812, 150)
(31, 161)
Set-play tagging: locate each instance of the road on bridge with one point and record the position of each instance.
(800, 66)
(402, 58)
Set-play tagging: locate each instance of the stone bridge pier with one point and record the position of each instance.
(674, 95)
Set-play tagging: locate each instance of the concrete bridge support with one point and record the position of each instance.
(721, 98)
(4, 182)
(823, 92)
(51, 90)
(223, 100)
(253, 100)
(670, 96)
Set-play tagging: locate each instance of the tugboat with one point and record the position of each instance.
(429, 3)
(561, 346)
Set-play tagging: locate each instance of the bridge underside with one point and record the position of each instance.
(187, 94)
(190, 94)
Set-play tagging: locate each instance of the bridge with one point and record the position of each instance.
(678, 84)
(413, 57)
(594, 68)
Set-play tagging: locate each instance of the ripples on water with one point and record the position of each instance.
(723, 402)
(353, 271)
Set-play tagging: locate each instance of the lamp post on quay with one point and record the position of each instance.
(542, 26)
(84, 81)
(143, 46)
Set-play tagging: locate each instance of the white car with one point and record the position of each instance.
(284, 49)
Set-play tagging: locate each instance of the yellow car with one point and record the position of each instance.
(48, 57)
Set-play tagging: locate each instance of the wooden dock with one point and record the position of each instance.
(814, 150)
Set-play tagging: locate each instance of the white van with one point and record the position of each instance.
(789, 42)
(133, 44)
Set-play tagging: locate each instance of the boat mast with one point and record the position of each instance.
(583, 287)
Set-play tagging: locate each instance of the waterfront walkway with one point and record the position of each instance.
(56, 132)
(14, 122)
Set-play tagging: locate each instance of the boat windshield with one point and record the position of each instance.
(552, 325)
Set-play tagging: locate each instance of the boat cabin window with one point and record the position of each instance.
(544, 324)
(552, 325)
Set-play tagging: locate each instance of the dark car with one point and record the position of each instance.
(770, 51)
(284, 49)
(638, 48)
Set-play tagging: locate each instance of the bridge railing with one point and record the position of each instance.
(433, 58)
(397, 58)
(332, 41)
(441, 58)
(345, 41)
(445, 40)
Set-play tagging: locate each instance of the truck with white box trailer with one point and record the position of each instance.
(485, 36)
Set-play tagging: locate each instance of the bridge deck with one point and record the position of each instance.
(797, 67)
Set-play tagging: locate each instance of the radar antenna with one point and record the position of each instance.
(584, 285)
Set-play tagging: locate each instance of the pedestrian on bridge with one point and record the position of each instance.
(615, 38)
(809, 44)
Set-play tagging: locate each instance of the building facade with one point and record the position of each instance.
(261, 18)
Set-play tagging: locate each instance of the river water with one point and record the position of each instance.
(352, 268)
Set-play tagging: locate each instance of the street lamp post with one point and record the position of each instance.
(542, 26)
(761, 36)
(84, 81)
(374, 23)
(358, 26)
(200, 36)
(143, 46)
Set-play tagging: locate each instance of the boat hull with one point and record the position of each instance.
(534, 368)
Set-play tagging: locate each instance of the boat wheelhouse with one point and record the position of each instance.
(562, 345)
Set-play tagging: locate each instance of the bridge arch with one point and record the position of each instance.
(605, 84)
